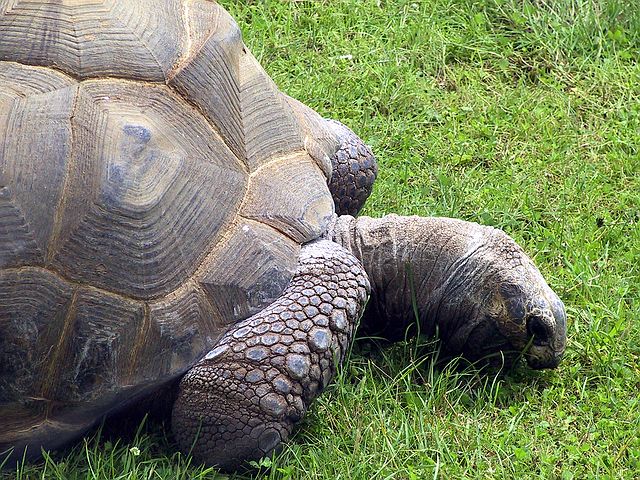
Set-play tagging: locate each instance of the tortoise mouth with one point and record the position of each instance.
(540, 358)
(486, 343)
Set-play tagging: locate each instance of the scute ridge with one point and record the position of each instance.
(59, 209)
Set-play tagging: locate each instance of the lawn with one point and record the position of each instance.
(521, 114)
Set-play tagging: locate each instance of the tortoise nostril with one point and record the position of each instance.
(538, 329)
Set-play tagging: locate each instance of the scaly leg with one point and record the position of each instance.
(242, 400)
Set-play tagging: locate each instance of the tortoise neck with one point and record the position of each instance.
(412, 264)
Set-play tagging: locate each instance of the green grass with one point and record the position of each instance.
(521, 114)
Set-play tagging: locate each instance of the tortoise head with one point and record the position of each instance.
(510, 307)
(530, 316)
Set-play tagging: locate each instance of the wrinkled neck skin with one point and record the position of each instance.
(473, 284)
(400, 270)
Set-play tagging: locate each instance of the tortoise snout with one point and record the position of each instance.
(540, 328)
(548, 330)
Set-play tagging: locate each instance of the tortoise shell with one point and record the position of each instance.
(155, 187)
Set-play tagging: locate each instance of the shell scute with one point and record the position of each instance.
(137, 142)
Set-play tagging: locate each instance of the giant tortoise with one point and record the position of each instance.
(166, 214)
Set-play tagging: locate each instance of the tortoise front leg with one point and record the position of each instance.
(242, 400)
(354, 170)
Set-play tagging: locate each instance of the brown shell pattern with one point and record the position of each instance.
(155, 186)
